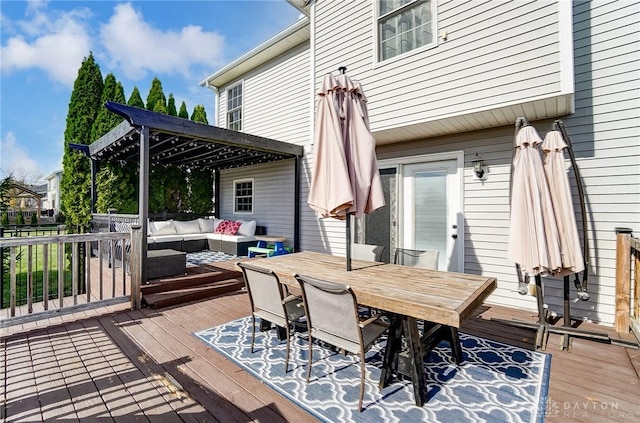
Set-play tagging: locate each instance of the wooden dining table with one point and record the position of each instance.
(443, 300)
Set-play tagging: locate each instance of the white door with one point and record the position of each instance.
(431, 211)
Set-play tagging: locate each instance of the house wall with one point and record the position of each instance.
(497, 53)
(605, 133)
(276, 104)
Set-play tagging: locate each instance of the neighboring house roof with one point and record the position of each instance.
(55, 174)
(280, 43)
(181, 142)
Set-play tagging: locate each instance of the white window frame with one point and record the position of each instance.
(236, 197)
(239, 107)
(408, 6)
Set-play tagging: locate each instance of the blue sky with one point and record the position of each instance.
(43, 44)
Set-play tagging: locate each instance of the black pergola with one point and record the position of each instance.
(147, 137)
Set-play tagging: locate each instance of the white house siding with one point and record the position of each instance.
(273, 187)
(497, 53)
(276, 98)
(605, 132)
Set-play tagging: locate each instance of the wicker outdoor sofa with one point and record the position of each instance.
(233, 237)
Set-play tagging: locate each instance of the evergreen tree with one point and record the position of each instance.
(156, 95)
(171, 106)
(19, 217)
(183, 113)
(75, 184)
(34, 219)
(160, 107)
(136, 99)
(115, 182)
(200, 181)
(199, 114)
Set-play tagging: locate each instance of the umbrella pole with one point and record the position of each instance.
(523, 283)
(348, 231)
(581, 287)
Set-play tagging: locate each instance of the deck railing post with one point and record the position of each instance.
(135, 265)
(623, 279)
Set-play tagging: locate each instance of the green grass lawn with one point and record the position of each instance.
(37, 271)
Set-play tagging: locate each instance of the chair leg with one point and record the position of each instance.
(253, 331)
(362, 374)
(310, 356)
(286, 361)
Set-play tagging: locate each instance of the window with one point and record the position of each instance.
(404, 25)
(234, 108)
(243, 196)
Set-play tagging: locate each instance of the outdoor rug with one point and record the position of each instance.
(495, 383)
(206, 256)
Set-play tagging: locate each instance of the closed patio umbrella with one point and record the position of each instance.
(533, 233)
(345, 178)
(560, 190)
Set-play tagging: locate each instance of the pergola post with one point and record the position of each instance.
(94, 193)
(143, 202)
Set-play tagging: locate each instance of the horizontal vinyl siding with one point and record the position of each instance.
(497, 53)
(273, 188)
(276, 98)
(605, 133)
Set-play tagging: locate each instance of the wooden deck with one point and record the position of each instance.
(114, 364)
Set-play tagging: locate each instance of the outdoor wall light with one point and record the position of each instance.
(478, 166)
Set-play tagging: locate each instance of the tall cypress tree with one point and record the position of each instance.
(156, 95)
(136, 99)
(200, 198)
(160, 107)
(171, 106)
(75, 184)
(183, 113)
(199, 114)
(116, 182)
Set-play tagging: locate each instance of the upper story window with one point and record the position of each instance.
(404, 25)
(234, 108)
(243, 195)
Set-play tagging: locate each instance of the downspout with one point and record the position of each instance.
(215, 90)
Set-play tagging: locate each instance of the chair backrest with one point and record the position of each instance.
(265, 291)
(331, 308)
(368, 252)
(425, 259)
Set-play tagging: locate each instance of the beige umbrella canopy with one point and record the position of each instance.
(345, 179)
(533, 233)
(556, 173)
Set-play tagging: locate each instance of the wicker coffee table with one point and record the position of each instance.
(161, 263)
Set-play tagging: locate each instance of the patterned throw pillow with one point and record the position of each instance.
(228, 227)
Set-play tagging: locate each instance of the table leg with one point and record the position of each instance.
(391, 351)
(416, 364)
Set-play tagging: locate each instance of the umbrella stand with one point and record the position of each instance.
(542, 326)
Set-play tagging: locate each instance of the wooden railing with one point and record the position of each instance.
(627, 283)
(57, 275)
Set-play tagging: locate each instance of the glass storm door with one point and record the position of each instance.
(430, 211)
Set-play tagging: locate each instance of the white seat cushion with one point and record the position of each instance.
(187, 227)
(164, 238)
(237, 238)
(191, 237)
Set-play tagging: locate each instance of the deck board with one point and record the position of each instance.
(114, 364)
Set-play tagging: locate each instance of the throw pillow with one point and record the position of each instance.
(227, 227)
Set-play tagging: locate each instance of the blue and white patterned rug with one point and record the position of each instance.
(206, 256)
(495, 383)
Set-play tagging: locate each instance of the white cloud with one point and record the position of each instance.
(56, 43)
(136, 48)
(15, 160)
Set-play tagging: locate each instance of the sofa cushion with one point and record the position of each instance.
(208, 225)
(228, 227)
(162, 227)
(247, 228)
(187, 227)
(237, 238)
(191, 237)
(164, 238)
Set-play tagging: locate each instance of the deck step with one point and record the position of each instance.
(181, 282)
(192, 293)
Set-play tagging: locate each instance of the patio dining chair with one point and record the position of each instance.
(271, 301)
(332, 317)
(425, 259)
(368, 252)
